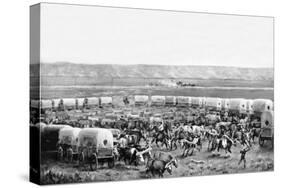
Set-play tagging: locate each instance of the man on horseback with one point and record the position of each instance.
(162, 134)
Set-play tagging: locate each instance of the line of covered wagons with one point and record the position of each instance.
(261, 108)
(92, 146)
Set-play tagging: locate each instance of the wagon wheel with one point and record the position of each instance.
(111, 163)
(60, 155)
(261, 141)
(94, 162)
(69, 155)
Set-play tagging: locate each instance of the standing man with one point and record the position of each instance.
(243, 155)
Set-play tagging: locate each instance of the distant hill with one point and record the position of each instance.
(105, 71)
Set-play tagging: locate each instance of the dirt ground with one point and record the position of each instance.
(258, 159)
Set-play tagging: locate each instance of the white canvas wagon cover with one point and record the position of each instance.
(183, 100)
(69, 102)
(46, 103)
(106, 100)
(57, 102)
(141, 98)
(53, 127)
(93, 101)
(96, 137)
(157, 99)
(115, 132)
(238, 104)
(267, 119)
(250, 106)
(225, 104)
(213, 102)
(171, 100)
(197, 101)
(80, 102)
(69, 135)
(262, 105)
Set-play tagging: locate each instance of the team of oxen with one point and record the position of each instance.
(139, 136)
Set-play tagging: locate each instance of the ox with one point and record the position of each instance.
(160, 164)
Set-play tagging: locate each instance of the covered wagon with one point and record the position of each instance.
(58, 104)
(267, 127)
(95, 145)
(225, 104)
(106, 101)
(68, 143)
(49, 137)
(110, 115)
(238, 105)
(108, 123)
(213, 103)
(204, 99)
(157, 100)
(95, 121)
(212, 119)
(141, 100)
(183, 101)
(69, 103)
(262, 105)
(91, 102)
(197, 101)
(80, 103)
(46, 104)
(170, 100)
(249, 107)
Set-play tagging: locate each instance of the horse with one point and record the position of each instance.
(158, 165)
(162, 137)
(191, 145)
(179, 135)
(131, 138)
(225, 143)
(254, 132)
(211, 136)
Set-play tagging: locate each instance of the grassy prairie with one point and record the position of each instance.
(223, 92)
(258, 160)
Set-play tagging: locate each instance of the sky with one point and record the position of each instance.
(99, 35)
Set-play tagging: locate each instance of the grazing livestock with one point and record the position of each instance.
(128, 155)
(131, 138)
(183, 132)
(225, 143)
(134, 155)
(254, 133)
(160, 164)
(212, 118)
(163, 138)
(167, 157)
(158, 167)
(189, 146)
(211, 135)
